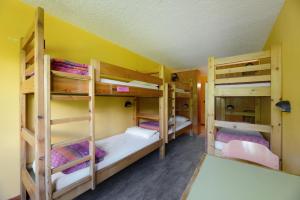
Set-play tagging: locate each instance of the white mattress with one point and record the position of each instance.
(139, 84)
(180, 125)
(117, 148)
(267, 84)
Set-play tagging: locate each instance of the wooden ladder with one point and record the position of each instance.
(90, 97)
(173, 106)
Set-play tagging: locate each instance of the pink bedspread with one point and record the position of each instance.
(227, 137)
(69, 67)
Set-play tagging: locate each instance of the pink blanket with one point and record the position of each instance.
(152, 125)
(69, 67)
(242, 136)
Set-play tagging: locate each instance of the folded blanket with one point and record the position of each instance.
(69, 67)
(152, 125)
(63, 155)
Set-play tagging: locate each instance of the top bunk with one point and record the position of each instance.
(70, 78)
(181, 89)
(245, 75)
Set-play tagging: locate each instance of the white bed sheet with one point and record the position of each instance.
(266, 84)
(117, 148)
(130, 84)
(219, 145)
(180, 125)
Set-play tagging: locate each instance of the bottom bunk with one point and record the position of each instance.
(120, 151)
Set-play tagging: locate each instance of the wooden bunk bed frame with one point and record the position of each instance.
(265, 67)
(46, 85)
(172, 96)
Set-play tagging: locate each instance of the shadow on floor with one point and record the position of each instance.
(151, 178)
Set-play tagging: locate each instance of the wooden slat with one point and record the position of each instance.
(246, 79)
(28, 183)
(30, 56)
(147, 116)
(69, 120)
(28, 136)
(243, 126)
(70, 142)
(276, 96)
(29, 70)
(27, 86)
(210, 106)
(243, 69)
(241, 92)
(28, 38)
(63, 191)
(70, 164)
(39, 104)
(184, 95)
(245, 58)
(92, 81)
(249, 114)
(116, 71)
(161, 113)
(47, 94)
(70, 98)
(183, 86)
(70, 75)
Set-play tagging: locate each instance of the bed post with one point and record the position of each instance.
(161, 113)
(166, 112)
(94, 65)
(276, 88)
(211, 106)
(39, 116)
(191, 107)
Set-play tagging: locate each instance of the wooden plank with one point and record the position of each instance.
(28, 136)
(70, 75)
(92, 122)
(243, 126)
(23, 124)
(210, 106)
(162, 122)
(47, 94)
(243, 92)
(276, 96)
(70, 164)
(27, 86)
(183, 86)
(39, 101)
(248, 114)
(70, 142)
(28, 183)
(245, 58)
(245, 79)
(183, 95)
(70, 98)
(148, 116)
(30, 56)
(69, 120)
(116, 71)
(243, 69)
(28, 38)
(69, 188)
(29, 70)
(257, 110)
(166, 112)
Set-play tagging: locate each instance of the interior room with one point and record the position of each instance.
(152, 100)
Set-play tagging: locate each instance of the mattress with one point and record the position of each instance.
(266, 84)
(139, 84)
(180, 126)
(219, 145)
(117, 148)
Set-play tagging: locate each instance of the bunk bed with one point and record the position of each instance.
(255, 77)
(179, 119)
(46, 82)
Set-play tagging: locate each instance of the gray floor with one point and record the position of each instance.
(151, 178)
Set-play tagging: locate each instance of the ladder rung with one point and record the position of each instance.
(30, 56)
(68, 120)
(70, 187)
(70, 164)
(70, 75)
(70, 142)
(70, 98)
(28, 136)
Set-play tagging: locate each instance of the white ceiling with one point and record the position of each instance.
(177, 33)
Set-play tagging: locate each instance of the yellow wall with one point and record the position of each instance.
(64, 41)
(286, 31)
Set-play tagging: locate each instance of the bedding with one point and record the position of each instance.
(152, 125)
(139, 84)
(69, 67)
(266, 84)
(178, 118)
(141, 132)
(116, 147)
(224, 136)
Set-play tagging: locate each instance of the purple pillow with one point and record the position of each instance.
(63, 155)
